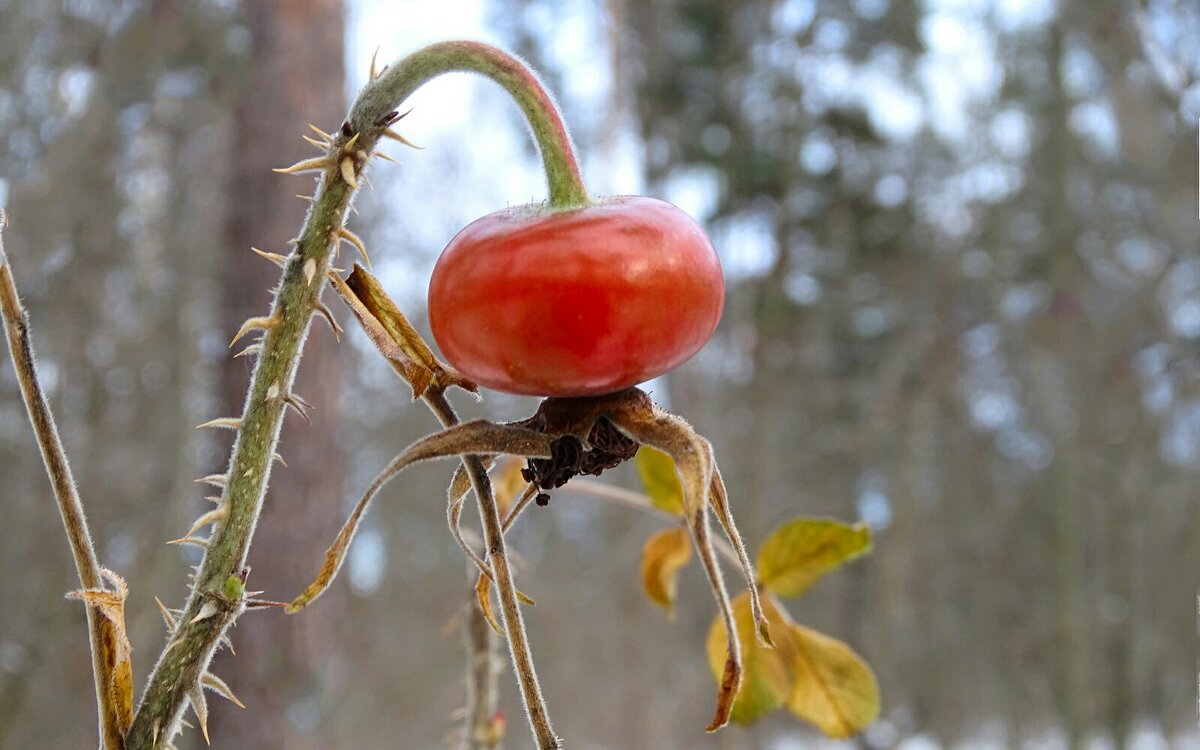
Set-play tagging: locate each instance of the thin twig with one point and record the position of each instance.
(480, 640)
(638, 501)
(103, 632)
(514, 624)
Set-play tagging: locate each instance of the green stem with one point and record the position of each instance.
(398, 82)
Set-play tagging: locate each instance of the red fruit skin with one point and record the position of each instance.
(575, 302)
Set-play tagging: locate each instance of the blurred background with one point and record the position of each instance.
(963, 307)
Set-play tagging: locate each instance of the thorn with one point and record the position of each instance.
(224, 641)
(228, 423)
(316, 164)
(328, 316)
(310, 270)
(168, 618)
(255, 348)
(372, 75)
(300, 405)
(216, 480)
(279, 458)
(350, 143)
(194, 541)
(275, 258)
(218, 686)
(319, 144)
(253, 324)
(273, 391)
(397, 137)
(214, 516)
(211, 517)
(367, 180)
(200, 707)
(308, 198)
(387, 157)
(355, 240)
(347, 167)
(320, 132)
(214, 499)
(207, 610)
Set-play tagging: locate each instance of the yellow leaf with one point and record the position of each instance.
(508, 483)
(834, 688)
(657, 471)
(663, 557)
(767, 674)
(799, 552)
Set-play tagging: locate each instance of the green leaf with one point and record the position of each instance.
(659, 479)
(834, 689)
(663, 557)
(799, 552)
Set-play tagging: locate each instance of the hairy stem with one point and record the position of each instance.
(478, 732)
(510, 608)
(210, 610)
(399, 81)
(102, 630)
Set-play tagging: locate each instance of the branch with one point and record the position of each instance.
(105, 638)
(217, 596)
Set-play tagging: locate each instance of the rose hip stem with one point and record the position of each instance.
(399, 81)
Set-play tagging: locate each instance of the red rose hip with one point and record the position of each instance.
(575, 302)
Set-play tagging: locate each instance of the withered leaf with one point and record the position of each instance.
(663, 556)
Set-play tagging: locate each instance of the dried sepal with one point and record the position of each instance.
(109, 603)
(453, 517)
(393, 335)
(693, 459)
(468, 438)
(719, 497)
